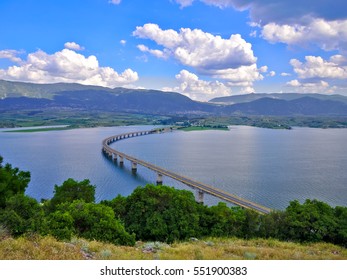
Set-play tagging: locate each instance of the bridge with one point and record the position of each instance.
(201, 188)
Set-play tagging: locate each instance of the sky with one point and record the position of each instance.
(200, 48)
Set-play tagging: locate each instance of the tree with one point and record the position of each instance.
(223, 221)
(161, 213)
(252, 223)
(312, 221)
(61, 225)
(94, 221)
(22, 214)
(72, 190)
(12, 182)
(341, 228)
(272, 225)
(118, 204)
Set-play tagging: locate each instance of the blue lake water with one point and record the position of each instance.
(270, 167)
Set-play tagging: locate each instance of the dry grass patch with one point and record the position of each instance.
(48, 248)
(259, 249)
(38, 248)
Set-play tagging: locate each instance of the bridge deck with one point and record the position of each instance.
(187, 181)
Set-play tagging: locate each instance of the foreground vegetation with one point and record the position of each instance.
(159, 214)
(48, 248)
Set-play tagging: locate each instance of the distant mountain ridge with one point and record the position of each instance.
(27, 96)
(229, 100)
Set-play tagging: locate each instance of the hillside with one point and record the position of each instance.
(229, 100)
(277, 107)
(48, 248)
(17, 89)
(15, 96)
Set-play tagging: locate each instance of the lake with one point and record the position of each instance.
(270, 167)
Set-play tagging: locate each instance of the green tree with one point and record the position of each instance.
(341, 228)
(161, 213)
(312, 221)
(61, 225)
(252, 223)
(72, 190)
(118, 204)
(12, 182)
(22, 214)
(96, 221)
(272, 225)
(223, 221)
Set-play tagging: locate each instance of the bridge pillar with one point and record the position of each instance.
(133, 166)
(115, 157)
(199, 196)
(159, 179)
(121, 160)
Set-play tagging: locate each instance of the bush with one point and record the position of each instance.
(72, 190)
(221, 220)
(22, 214)
(60, 225)
(161, 213)
(12, 182)
(95, 221)
(341, 228)
(312, 221)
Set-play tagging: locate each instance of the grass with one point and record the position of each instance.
(48, 248)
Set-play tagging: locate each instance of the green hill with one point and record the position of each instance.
(16, 96)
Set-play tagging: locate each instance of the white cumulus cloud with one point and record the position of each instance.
(11, 55)
(66, 66)
(272, 74)
(73, 46)
(328, 35)
(197, 89)
(199, 49)
(243, 76)
(284, 11)
(310, 87)
(317, 68)
(230, 59)
(294, 22)
(157, 53)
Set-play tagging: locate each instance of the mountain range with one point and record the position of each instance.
(15, 96)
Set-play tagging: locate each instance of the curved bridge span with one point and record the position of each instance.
(200, 187)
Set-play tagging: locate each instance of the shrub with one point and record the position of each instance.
(96, 221)
(72, 190)
(161, 213)
(22, 214)
(12, 182)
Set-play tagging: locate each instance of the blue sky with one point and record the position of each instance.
(200, 48)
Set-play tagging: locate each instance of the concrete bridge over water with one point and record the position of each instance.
(201, 188)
